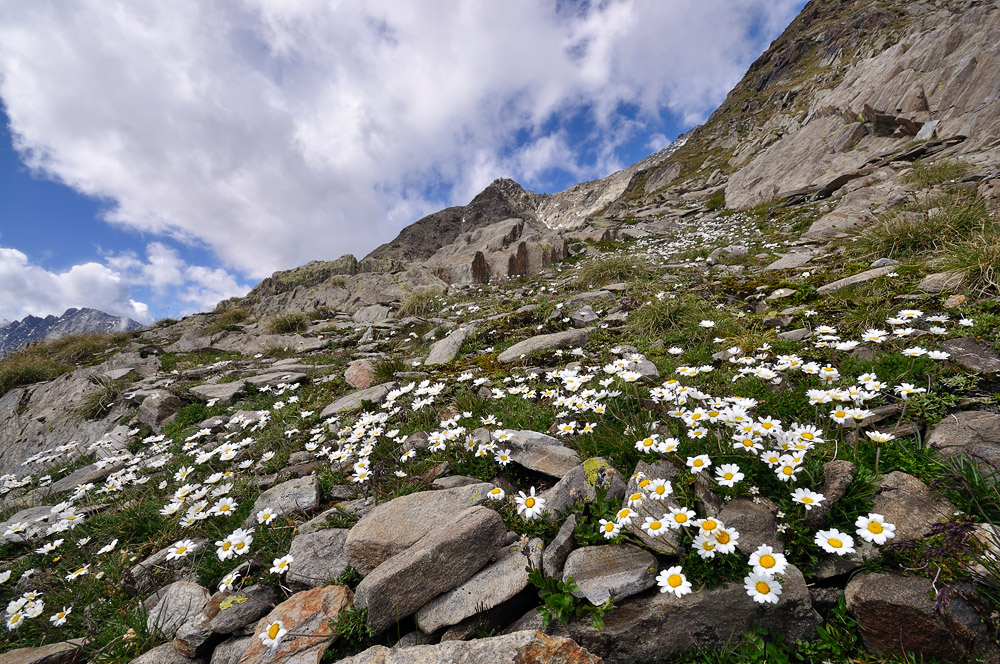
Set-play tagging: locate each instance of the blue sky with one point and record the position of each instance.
(157, 157)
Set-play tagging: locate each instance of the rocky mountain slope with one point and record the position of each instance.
(17, 334)
(777, 425)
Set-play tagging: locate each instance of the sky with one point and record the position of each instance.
(157, 157)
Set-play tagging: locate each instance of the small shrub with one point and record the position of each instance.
(977, 259)
(559, 602)
(99, 403)
(288, 324)
(420, 303)
(716, 201)
(611, 270)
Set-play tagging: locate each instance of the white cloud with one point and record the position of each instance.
(29, 289)
(279, 132)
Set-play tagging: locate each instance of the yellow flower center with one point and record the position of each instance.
(674, 580)
(807, 499)
(635, 497)
(723, 537)
(787, 470)
(240, 545)
(529, 502)
(875, 527)
(655, 525)
(272, 631)
(609, 527)
(763, 588)
(681, 518)
(709, 524)
(643, 484)
(766, 561)
(728, 476)
(806, 435)
(698, 462)
(181, 550)
(835, 543)
(708, 546)
(660, 490)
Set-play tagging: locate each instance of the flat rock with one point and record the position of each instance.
(491, 586)
(940, 282)
(374, 313)
(584, 316)
(360, 373)
(306, 615)
(318, 557)
(276, 378)
(394, 526)
(555, 554)
(29, 515)
(64, 652)
(230, 612)
(796, 257)
(909, 504)
(707, 618)
(445, 350)
(541, 453)
(897, 615)
(972, 355)
(181, 601)
(355, 400)
(618, 570)
(588, 297)
(854, 279)
(780, 294)
(974, 432)
(439, 561)
(567, 339)
(578, 485)
(525, 647)
(223, 393)
(296, 496)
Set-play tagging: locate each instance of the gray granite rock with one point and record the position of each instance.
(445, 350)
(567, 339)
(300, 495)
(618, 570)
(554, 556)
(541, 453)
(180, 602)
(318, 557)
(354, 400)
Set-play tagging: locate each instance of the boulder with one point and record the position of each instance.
(301, 495)
(396, 525)
(796, 257)
(972, 432)
(360, 373)
(374, 313)
(909, 504)
(231, 650)
(525, 647)
(899, 615)
(610, 570)
(157, 407)
(445, 350)
(541, 453)
(156, 570)
(755, 522)
(307, 616)
(276, 378)
(318, 557)
(355, 400)
(567, 339)
(491, 586)
(837, 477)
(180, 602)
(584, 317)
(222, 393)
(972, 355)
(648, 628)
(164, 654)
(579, 485)
(439, 561)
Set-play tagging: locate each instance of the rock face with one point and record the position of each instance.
(525, 647)
(394, 526)
(439, 561)
(306, 616)
(567, 339)
(18, 334)
(706, 618)
(897, 616)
